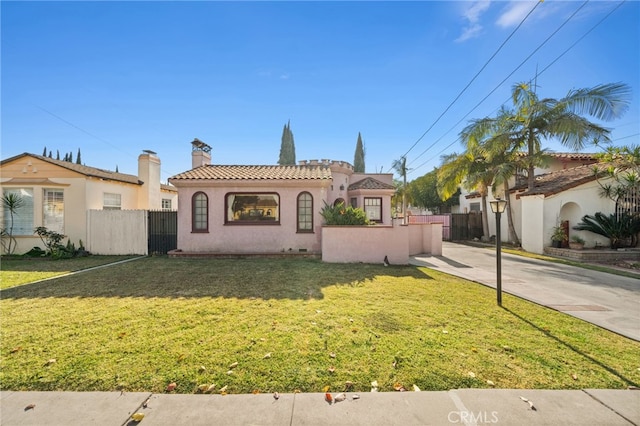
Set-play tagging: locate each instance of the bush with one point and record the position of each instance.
(341, 215)
(621, 230)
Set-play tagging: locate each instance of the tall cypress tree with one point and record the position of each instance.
(287, 147)
(78, 157)
(57, 154)
(44, 153)
(358, 157)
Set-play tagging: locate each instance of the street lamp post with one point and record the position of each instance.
(498, 206)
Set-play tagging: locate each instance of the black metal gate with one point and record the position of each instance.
(466, 226)
(163, 231)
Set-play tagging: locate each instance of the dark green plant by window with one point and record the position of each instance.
(341, 215)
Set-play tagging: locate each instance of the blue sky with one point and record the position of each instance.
(115, 78)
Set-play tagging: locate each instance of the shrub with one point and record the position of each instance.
(621, 230)
(341, 215)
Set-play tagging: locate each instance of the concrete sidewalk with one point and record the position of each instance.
(607, 300)
(462, 407)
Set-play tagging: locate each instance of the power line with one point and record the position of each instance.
(91, 134)
(473, 79)
(500, 84)
(537, 74)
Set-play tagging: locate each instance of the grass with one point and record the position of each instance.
(293, 325)
(21, 270)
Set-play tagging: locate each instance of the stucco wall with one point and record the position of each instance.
(425, 238)
(367, 244)
(250, 238)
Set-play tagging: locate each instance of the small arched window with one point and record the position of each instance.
(305, 212)
(199, 212)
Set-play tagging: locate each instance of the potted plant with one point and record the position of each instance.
(576, 243)
(558, 236)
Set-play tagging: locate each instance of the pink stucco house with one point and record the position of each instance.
(269, 209)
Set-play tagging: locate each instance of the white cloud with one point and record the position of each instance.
(284, 76)
(472, 15)
(515, 12)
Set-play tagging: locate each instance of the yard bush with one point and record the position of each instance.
(341, 215)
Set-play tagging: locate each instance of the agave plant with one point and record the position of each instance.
(621, 230)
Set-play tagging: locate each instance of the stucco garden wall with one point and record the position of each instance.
(370, 244)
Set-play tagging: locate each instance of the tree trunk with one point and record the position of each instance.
(485, 219)
(513, 237)
(531, 179)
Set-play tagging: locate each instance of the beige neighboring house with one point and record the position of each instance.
(58, 194)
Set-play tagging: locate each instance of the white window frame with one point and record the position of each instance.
(111, 201)
(53, 209)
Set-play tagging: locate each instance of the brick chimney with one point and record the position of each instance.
(200, 154)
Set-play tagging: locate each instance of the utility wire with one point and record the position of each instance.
(91, 134)
(472, 80)
(537, 74)
(500, 84)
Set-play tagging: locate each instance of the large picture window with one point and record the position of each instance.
(53, 210)
(373, 208)
(200, 212)
(305, 212)
(252, 208)
(23, 215)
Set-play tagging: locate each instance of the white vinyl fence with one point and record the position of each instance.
(117, 232)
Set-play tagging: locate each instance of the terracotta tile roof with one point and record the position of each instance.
(79, 168)
(577, 156)
(559, 180)
(369, 183)
(254, 172)
(169, 188)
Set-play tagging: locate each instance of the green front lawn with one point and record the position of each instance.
(293, 325)
(22, 270)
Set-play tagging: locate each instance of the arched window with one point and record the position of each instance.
(305, 212)
(199, 212)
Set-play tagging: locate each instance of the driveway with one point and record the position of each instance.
(607, 300)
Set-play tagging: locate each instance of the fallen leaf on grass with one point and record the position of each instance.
(348, 384)
(398, 387)
(472, 374)
(50, 361)
(332, 369)
(574, 376)
(255, 391)
(121, 335)
(267, 355)
(416, 388)
(171, 386)
(234, 365)
(202, 369)
(203, 388)
(30, 407)
(332, 355)
(230, 372)
(16, 349)
(490, 383)
(374, 386)
(211, 388)
(223, 390)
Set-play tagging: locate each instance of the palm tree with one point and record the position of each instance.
(469, 170)
(532, 119)
(400, 166)
(11, 202)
